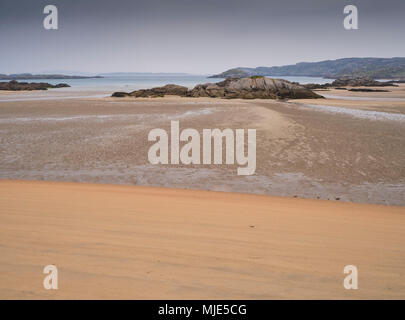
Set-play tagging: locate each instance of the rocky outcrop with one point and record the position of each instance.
(19, 86)
(359, 82)
(120, 94)
(247, 88)
(350, 82)
(253, 88)
(367, 90)
(170, 89)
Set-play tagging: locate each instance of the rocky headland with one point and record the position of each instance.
(375, 68)
(256, 87)
(29, 86)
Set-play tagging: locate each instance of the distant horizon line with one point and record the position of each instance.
(84, 73)
(66, 72)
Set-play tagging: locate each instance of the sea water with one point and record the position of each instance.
(131, 82)
(128, 82)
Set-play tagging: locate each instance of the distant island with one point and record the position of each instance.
(114, 74)
(14, 85)
(24, 76)
(374, 68)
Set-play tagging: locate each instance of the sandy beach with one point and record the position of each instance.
(131, 230)
(126, 242)
(202, 150)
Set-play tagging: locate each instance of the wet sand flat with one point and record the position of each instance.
(373, 105)
(126, 242)
(397, 92)
(392, 101)
(301, 151)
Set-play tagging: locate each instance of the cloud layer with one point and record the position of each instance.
(195, 36)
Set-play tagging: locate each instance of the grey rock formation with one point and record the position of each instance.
(169, 89)
(247, 88)
(253, 88)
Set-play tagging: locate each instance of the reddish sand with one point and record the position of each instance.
(124, 242)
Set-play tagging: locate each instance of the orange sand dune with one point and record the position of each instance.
(111, 241)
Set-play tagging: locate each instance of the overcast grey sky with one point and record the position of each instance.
(194, 36)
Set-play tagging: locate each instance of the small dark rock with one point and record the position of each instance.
(120, 94)
(368, 90)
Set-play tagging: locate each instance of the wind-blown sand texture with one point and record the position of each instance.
(126, 242)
